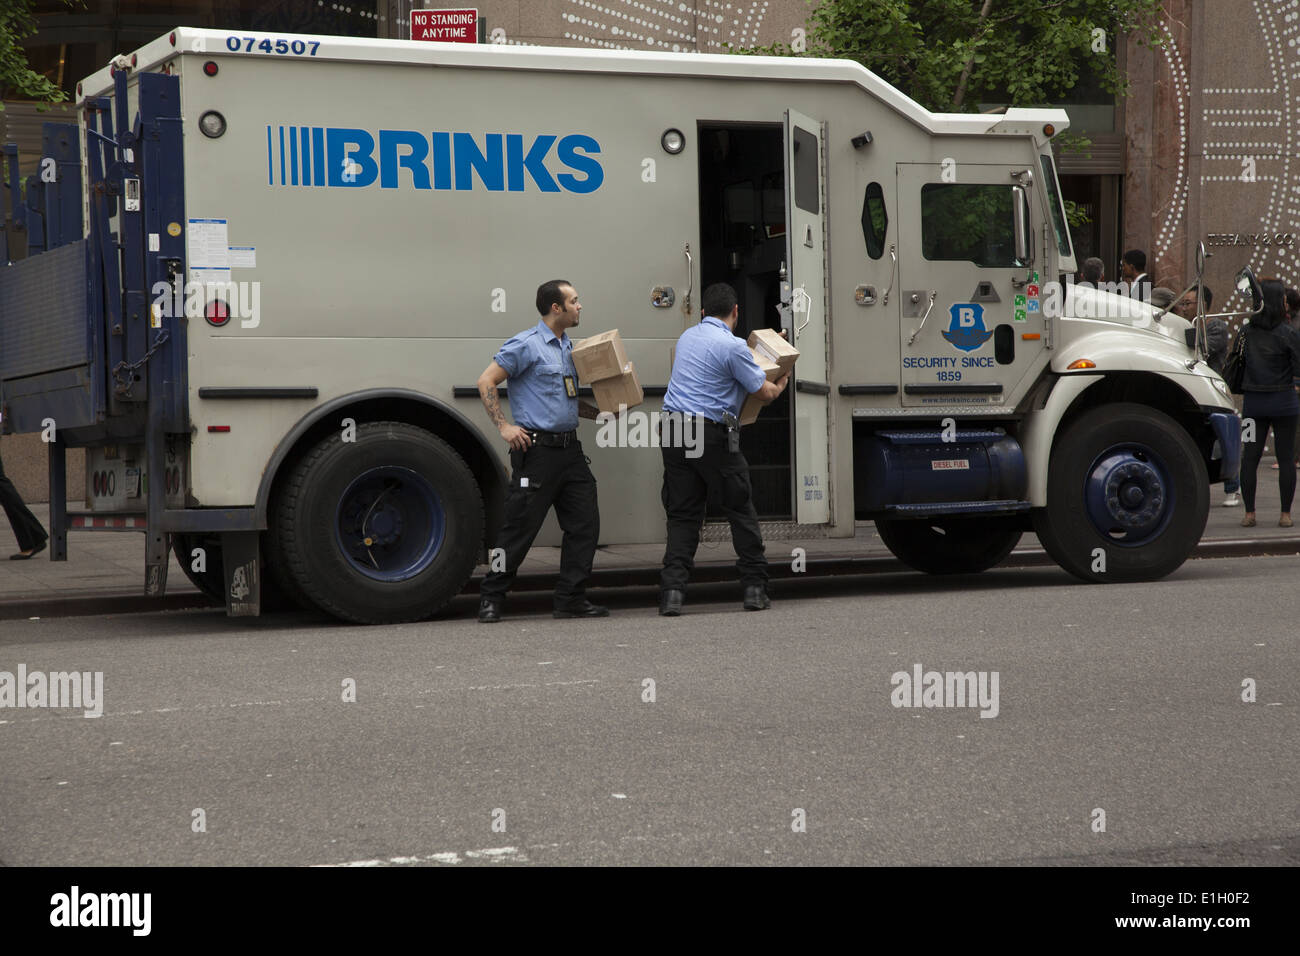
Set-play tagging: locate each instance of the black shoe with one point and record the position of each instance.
(24, 555)
(756, 598)
(670, 602)
(582, 609)
(489, 611)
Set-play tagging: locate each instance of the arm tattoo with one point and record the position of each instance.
(493, 405)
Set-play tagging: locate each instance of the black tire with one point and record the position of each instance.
(1129, 480)
(950, 545)
(212, 581)
(423, 542)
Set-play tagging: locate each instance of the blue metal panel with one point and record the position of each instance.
(61, 143)
(104, 274)
(163, 191)
(43, 314)
(130, 226)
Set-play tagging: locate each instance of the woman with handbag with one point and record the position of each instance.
(1266, 357)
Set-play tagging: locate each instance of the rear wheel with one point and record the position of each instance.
(949, 545)
(1127, 495)
(382, 529)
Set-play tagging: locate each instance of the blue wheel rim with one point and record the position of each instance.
(390, 523)
(1128, 495)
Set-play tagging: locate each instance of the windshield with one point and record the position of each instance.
(1058, 210)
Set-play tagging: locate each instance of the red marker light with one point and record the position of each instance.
(217, 313)
(172, 38)
(210, 68)
(218, 428)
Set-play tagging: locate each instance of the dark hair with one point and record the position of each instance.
(1136, 258)
(1207, 295)
(718, 300)
(1292, 301)
(1274, 304)
(1093, 269)
(549, 294)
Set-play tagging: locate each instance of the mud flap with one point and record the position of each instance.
(240, 566)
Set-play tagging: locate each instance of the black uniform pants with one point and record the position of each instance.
(542, 477)
(27, 529)
(691, 484)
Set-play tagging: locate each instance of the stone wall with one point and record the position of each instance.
(26, 462)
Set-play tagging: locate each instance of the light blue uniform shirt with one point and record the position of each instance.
(713, 372)
(536, 362)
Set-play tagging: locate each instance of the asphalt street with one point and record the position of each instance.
(536, 741)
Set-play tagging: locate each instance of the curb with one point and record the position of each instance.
(82, 604)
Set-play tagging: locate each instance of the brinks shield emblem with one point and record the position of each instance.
(966, 330)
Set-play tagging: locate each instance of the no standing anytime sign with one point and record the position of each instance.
(446, 26)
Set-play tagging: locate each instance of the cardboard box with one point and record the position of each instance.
(752, 405)
(599, 357)
(621, 389)
(770, 345)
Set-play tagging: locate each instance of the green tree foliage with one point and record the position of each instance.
(950, 55)
(17, 79)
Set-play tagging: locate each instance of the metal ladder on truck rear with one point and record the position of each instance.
(90, 354)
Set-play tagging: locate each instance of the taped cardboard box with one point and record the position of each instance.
(752, 405)
(770, 346)
(621, 389)
(599, 357)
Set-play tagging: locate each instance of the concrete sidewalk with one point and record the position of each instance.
(104, 572)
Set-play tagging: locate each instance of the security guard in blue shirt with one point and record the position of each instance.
(547, 465)
(713, 372)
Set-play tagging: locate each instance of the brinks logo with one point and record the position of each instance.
(408, 159)
(966, 329)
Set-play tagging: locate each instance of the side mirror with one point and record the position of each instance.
(1020, 214)
(1248, 285)
(1200, 261)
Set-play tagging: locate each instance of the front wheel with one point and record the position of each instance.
(949, 545)
(382, 529)
(1127, 495)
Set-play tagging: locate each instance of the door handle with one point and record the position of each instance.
(893, 274)
(690, 281)
(800, 297)
(917, 330)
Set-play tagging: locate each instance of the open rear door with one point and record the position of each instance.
(803, 295)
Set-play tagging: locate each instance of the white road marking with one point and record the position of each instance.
(495, 854)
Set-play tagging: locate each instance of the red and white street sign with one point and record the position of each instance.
(445, 26)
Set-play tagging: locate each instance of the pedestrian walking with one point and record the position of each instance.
(547, 466)
(713, 372)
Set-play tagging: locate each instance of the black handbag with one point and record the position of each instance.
(1234, 367)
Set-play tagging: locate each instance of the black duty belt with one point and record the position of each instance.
(554, 439)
